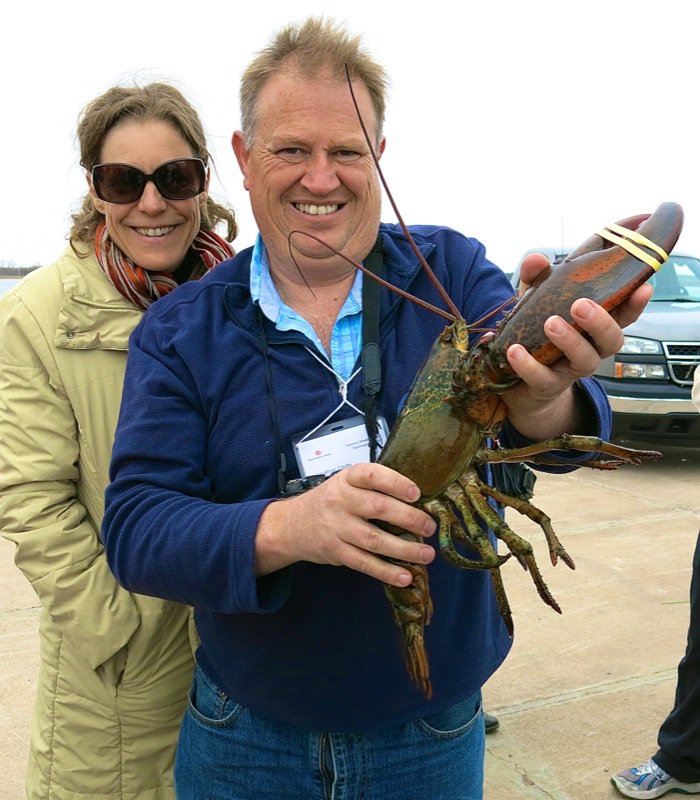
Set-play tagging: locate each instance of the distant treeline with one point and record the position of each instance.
(7, 271)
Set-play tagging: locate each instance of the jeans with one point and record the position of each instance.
(226, 752)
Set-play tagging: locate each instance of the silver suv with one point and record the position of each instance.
(649, 381)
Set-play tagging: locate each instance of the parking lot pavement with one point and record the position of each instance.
(581, 695)
(19, 649)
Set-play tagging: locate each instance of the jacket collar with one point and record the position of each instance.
(92, 315)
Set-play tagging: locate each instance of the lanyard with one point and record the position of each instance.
(370, 358)
(370, 362)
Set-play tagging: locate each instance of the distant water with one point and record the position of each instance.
(8, 283)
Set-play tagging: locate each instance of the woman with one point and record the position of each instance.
(115, 667)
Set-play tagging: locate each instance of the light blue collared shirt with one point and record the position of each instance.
(346, 337)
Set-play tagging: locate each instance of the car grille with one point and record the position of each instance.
(682, 358)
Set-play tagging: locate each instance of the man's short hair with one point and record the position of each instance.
(309, 48)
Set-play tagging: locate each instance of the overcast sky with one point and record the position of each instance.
(523, 123)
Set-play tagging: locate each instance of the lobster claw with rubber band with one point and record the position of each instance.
(606, 268)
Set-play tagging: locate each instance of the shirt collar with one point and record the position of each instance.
(264, 292)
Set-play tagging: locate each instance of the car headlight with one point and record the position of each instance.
(634, 345)
(655, 372)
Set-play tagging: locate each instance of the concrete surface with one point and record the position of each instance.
(19, 650)
(581, 695)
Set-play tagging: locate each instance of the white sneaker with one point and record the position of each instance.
(649, 780)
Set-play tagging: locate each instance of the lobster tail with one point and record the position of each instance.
(412, 609)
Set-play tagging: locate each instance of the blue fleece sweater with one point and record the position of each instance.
(195, 464)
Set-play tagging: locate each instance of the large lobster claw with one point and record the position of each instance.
(606, 268)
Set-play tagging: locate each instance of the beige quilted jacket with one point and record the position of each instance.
(115, 667)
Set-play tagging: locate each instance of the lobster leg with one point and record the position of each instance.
(502, 600)
(521, 548)
(567, 442)
(451, 528)
(524, 507)
(473, 536)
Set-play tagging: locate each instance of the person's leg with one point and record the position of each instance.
(676, 765)
(679, 735)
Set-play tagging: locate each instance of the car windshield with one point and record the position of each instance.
(678, 280)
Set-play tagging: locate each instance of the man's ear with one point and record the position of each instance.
(242, 155)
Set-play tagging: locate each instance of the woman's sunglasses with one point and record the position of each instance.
(179, 179)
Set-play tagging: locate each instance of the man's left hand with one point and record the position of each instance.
(543, 405)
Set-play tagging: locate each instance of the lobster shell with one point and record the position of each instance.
(603, 272)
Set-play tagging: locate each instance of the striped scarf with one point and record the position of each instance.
(143, 287)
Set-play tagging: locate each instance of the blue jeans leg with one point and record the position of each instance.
(228, 753)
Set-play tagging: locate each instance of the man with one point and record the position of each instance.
(300, 689)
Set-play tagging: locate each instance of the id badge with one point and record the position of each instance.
(335, 446)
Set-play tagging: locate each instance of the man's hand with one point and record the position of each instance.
(625, 314)
(543, 405)
(331, 524)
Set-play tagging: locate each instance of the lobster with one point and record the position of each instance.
(455, 408)
(455, 401)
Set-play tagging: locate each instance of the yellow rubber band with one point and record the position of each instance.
(625, 241)
(637, 237)
(632, 249)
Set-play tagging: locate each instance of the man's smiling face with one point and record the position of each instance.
(309, 168)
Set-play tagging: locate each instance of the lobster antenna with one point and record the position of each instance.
(562, 234)
(474, 326)
(296, 263)
(423, 303)
(456, 314)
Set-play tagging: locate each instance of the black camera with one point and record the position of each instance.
(299, 485)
